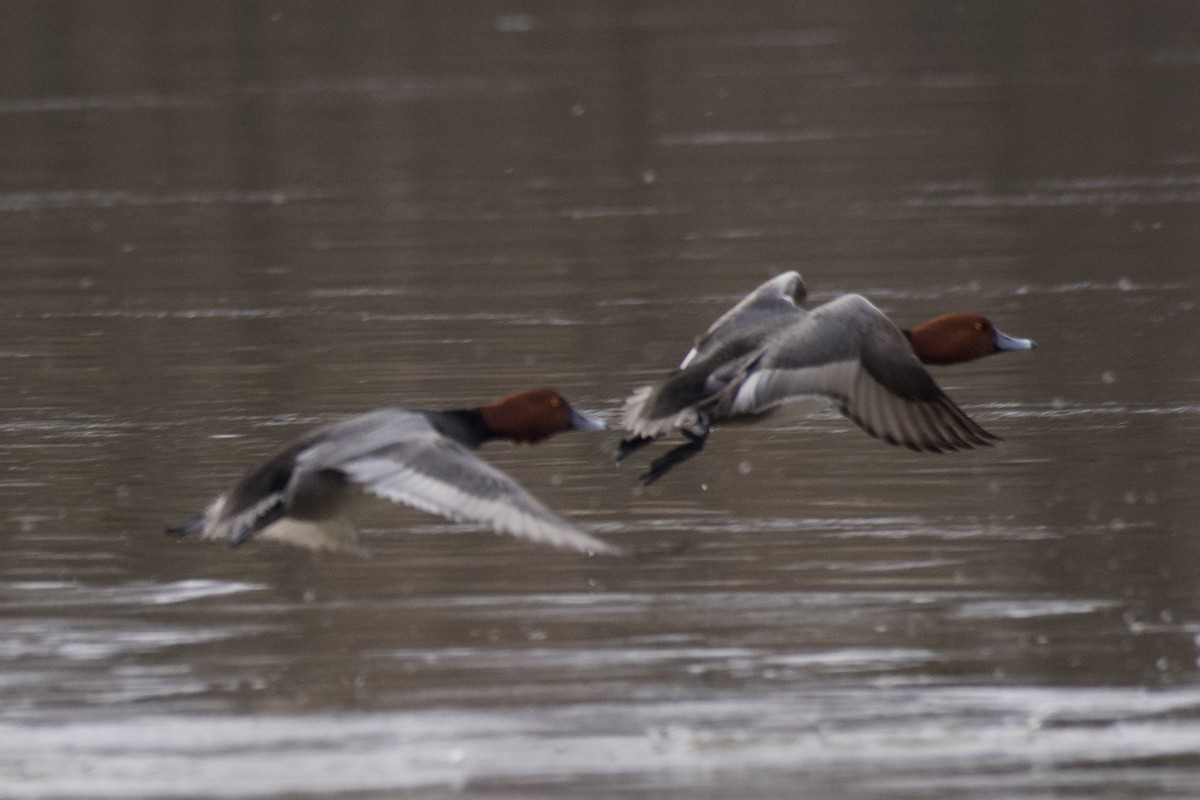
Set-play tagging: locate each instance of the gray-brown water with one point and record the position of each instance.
(223, 223)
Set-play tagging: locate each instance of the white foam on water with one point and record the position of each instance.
(858, 734)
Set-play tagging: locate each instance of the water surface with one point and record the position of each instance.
(221, 227)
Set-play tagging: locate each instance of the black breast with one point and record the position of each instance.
(465, 426)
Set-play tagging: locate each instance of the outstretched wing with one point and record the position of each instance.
(850, 352)
(771, 306)
(684, 398)
(440, 476)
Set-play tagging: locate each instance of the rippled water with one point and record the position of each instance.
(219, 229)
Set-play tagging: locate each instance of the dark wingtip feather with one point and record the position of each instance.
(955, 430)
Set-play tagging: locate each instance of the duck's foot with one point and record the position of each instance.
(663, 464)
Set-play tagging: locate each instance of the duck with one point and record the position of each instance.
(767, 351)
(303, 494)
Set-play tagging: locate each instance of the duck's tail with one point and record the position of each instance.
(193, 525)
(635, 417)
(654, 411)
(214, 523)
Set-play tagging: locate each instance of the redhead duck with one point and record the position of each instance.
(767, 351)
(423, 459)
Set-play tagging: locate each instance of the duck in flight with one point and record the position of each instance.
(423, 459)
(767, 351)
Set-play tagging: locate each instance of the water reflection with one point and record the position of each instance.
(220, 229)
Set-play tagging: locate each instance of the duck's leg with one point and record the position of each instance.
(631, 445)
(661, 465)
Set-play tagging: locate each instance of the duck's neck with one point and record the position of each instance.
(464, 425)
(934, 350)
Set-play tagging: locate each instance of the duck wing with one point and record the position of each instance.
(769, 307)
(849, 351)
(684, 398)
(435, 474)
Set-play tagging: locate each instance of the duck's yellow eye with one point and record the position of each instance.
(978, 326)
(555, 402)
